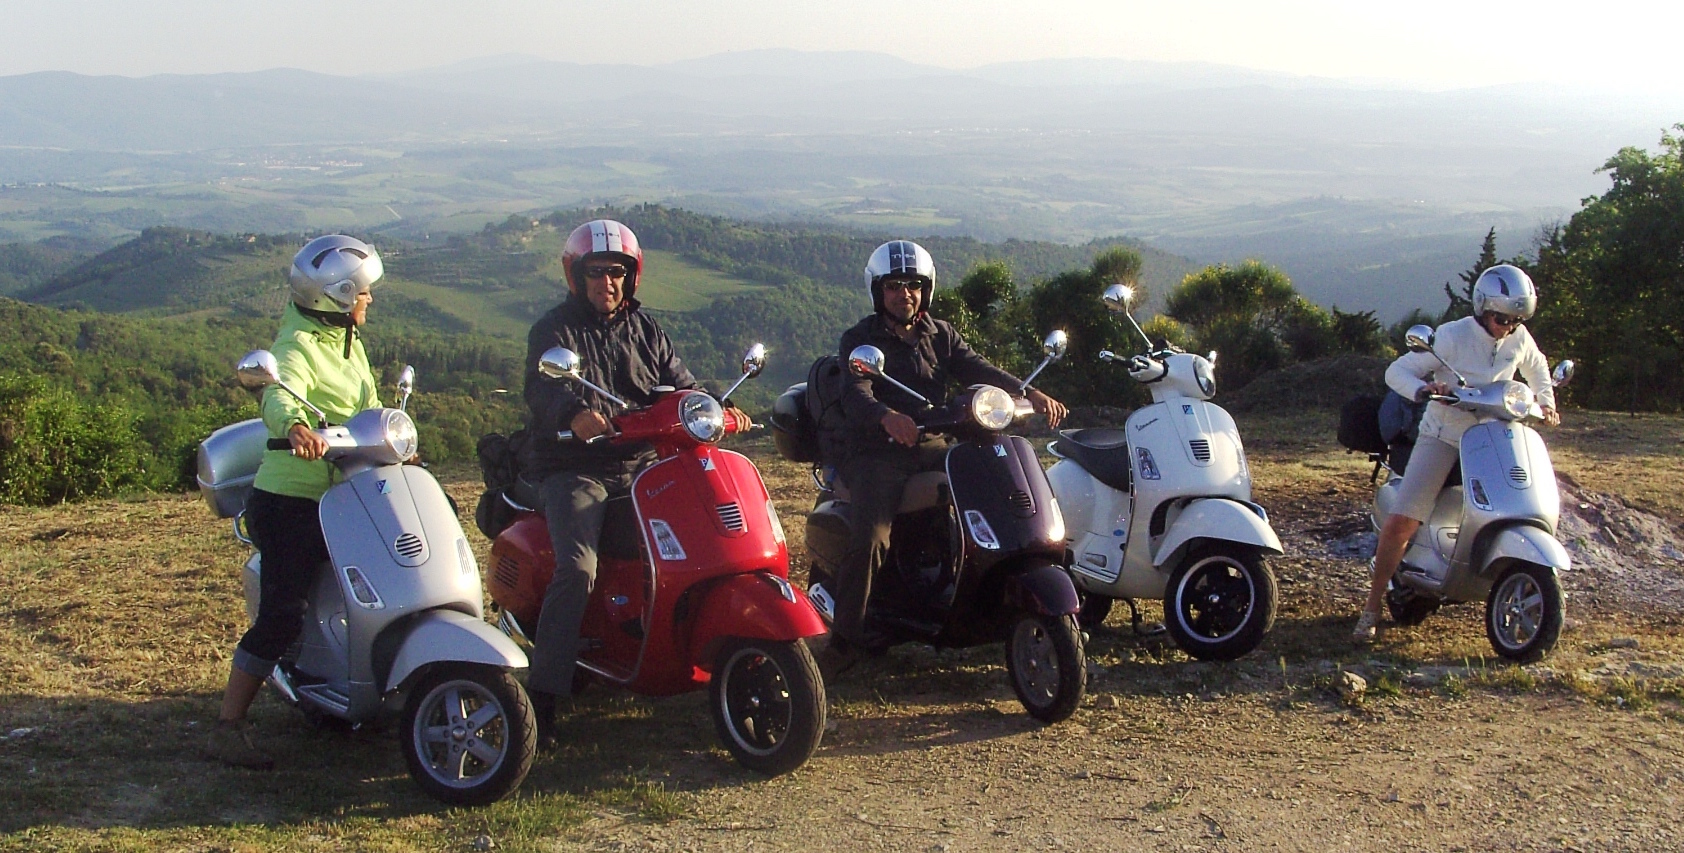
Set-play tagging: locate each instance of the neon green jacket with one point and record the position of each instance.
(312, 360)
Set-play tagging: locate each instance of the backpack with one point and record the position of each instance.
(499, 466)
(825, 381)
(1359, 424)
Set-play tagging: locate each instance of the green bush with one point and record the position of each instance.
(55, 448)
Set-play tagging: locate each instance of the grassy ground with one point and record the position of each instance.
(117, 619)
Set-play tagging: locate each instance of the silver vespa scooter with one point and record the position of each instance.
(1491, 535)
(395, 620)
(1162, 508)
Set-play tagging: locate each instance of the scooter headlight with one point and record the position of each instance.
(703, 417)
(401, 438)
(992, 408)
(1517, 399)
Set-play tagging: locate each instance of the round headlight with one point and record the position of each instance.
(401, 438)
(702, 417)
(1205, 373)
(1517, 399)
(992, 408)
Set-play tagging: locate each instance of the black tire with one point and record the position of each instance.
(1409, 607)
(469, 734)
(768, 704)
(1220, 602)
(1524, 612)
(1095, 608)
(1047, 666)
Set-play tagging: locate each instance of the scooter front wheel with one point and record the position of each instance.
(469, 734)
(1524, 612)
(1047, 665)
(1220, 601)
(768, 704)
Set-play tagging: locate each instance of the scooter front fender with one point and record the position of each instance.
(1042, 589)
(1222, 519)
(439, 636)
(1527, 544)
(758, 605)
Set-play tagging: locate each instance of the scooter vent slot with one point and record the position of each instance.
(732, 516)
(1201, 449)
(508, 572)
(1518, 476)
(1020, 501)
(409, 545)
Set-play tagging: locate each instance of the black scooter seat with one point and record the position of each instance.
(1102, 452)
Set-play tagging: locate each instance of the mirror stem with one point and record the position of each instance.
(321, 416)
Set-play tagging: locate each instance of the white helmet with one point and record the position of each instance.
(900, 258)
(1506, 289)
(329, 272)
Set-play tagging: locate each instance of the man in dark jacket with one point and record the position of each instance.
(622, 350)
(884, 449)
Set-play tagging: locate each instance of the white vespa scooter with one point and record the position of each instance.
(1162, 507)
(1492, 534)
(396, 621)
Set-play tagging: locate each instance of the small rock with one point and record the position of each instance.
(484, 842)
(18, 734)
(1623, 643)
(1419, 679)
(1352, 686)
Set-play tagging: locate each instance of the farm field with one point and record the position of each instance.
(118, 617)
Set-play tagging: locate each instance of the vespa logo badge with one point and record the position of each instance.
(707, 463)
(381, 487)
(1186, 410)
(1000, 450)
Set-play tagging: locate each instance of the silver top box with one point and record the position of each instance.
(228, 463)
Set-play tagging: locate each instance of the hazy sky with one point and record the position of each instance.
(1427, 42)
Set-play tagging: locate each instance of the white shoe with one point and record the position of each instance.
(1367, 626)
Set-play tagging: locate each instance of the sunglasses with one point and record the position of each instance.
(896, 285)
(1502, 319)
(615, 271)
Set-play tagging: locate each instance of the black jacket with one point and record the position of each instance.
(626, 354)
(938, 357)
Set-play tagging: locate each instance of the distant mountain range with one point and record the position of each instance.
(1367, 194)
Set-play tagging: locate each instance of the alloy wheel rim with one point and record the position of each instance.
(755, 701)
(1519, 610)
(1216, 599)
(461, 733)
(1036, 660)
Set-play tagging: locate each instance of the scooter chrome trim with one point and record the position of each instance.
(447, 636)
(1223, 519)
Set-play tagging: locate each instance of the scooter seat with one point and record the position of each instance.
(923, 490)
(522, 494)
(1102, 452)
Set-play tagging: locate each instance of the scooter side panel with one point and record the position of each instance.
(446, 635)
(1003, 481)
(1495, 455)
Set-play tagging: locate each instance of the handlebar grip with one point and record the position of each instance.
(564, 435)
(279, 444)
(567, 435)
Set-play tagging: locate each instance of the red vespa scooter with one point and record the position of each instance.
(692, 585)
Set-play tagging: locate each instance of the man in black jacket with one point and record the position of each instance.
(622, 350)
(884, 449)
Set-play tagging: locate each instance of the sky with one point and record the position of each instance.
(1426, 43)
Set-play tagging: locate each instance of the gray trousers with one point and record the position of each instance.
(574, 506)
(875, 483)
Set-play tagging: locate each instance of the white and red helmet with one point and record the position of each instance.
(601, 239)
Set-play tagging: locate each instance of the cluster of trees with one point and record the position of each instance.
(1249, 314)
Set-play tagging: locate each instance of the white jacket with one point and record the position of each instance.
(1481, 359)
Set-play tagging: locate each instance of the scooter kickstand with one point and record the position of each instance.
(1141, 630)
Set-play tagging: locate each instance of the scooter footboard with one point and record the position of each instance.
(759, 606)
(1218, 518)
(1043, 589)
(446, 635)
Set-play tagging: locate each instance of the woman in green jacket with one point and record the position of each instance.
(321, 357)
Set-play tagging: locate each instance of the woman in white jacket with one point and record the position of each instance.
(1489, 346)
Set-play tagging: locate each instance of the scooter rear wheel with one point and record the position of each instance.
(1524, 612)
(469, 734)
(1220, 601)
(1047, 666)
(768, 704)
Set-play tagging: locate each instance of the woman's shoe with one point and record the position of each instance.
(1367, 626)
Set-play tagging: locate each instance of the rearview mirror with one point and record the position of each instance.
(559, 363)
(257, 370)
(1419, 338)
(866, 361)
(1056, 344)
(1117, 297)
(754, 360)
(1563, 373)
